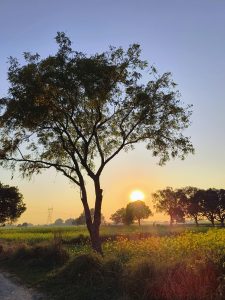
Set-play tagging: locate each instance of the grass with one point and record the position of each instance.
(139, 263)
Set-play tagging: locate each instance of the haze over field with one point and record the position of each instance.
(186, 38)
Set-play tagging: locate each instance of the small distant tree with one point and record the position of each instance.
(81, 220)
(59, 222)
(138, 210)
(25, 224)
(69, 221)
(122, 216)
(168, 202)
(119, 216)
(11, 204)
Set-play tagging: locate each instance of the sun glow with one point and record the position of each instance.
(136, 195)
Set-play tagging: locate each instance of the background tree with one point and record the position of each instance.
(168, 202)
(119, 216)
(11, 204)
(59, 222)
(69, 222)
(138, 210)
(220, 210)
(122, 216)
(190, 203)
(209, 202)
(81, 220)
(25, 224)
(70, 111)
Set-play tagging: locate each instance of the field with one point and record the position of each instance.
(150, 262)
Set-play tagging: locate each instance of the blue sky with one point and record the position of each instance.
(184, 37)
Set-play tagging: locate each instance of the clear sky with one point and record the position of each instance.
(184, 37)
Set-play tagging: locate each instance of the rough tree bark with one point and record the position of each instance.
(93, 226)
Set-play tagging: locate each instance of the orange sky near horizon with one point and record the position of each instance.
(127, 172)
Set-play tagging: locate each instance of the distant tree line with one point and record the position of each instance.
(192, 203)
(179, 204)
(79, 220)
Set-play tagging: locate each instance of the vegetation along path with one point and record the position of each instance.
(10, 290)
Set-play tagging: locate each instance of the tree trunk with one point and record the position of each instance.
(93, 225)
(196, 220)
(139, 222)
(171, 221)
(222, 222)
(95, 236)
(86, 207)
(212, 221)
(95, 240)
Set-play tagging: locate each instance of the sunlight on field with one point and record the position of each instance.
(170, 249)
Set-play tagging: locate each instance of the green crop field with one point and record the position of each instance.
(46, 233)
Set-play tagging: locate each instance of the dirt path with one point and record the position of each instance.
(10, 290)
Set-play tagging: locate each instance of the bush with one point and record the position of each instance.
(87, 277)
(113, 274)
(44, 255)
(85, 268)
(138, 279)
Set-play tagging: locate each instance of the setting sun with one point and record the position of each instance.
(137, 195)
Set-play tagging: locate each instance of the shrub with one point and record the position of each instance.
(84, 268)
(87, 277)
(44, 255)
(113, 274)
(138, 279)
(182, 282)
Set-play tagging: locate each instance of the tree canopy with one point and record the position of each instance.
(59, 222)
(11, 204)
(75, 113)
(191, 202)
(168, 201)
(212, 204)
(122, 216)
(138, 210)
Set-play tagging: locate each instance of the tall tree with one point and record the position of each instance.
(11, 204)
(138, 210)
(168, 201)
(75, 113)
